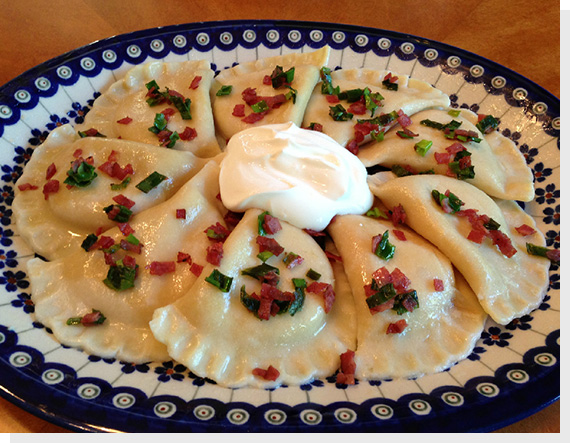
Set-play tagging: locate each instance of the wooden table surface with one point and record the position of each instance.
(523, 35)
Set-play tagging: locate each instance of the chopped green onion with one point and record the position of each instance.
(455, 166)
(224, 90)
(339, 114)
(492, 225)
(376, 213)
(91, 133)
(422, 147)
(220, 281)
(280, 78)
(248, 301)
(260, 107)
(290, 258)
(312, 274)
(351, 95)
(453, 201)
(299, 283)
(74, 321)
(261, 222)
(404, 134)
(385, 250)
(297, 304)
(291, 95)
(83, 176)
(487, 124)
(159, 125)
(377, 135)
(454, 112)
(174, 137)
(382, 295)
(151, 182)
(122, 216)
(541, 251)
(265, 255)
(182, 104)
(260, 271)
(120, 186)
(381, 120)
(412, 301)
(120, 277)
(158, 96)
(132, 240)
(89, 241)
(389, 85)
(431, 124)
(326, 85)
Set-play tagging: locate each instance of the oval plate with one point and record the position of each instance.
(513, 372)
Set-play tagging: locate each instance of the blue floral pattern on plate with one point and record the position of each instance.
(85, 392)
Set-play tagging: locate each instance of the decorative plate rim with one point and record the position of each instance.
(15, 385)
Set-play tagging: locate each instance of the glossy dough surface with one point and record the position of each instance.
(216, 336)
(507, 288)
(250, 75)
(58, 225)
(500, 169)
(73, 286)
(440, 332)
(127, 98)
(412, 96)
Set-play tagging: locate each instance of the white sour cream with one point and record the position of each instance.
(301, 176)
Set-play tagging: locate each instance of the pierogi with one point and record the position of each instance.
(122, 111)
(125, 334)
(55, 224)
(215, 335)
(412, 96)
(251, 75)
(507, 287)
(442, 330)
(500, 168)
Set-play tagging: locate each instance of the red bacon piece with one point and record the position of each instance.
(442, 158)
(397, 328)
(254, 117)
(503, 242)
(125, 245)
(398, 215)
(438, 284)
(267, 80)
(271, 224)
(103, 242)
(196, 269)
(51, 187)
(269, 374)
(182, 257)
(195, 82)
(130, 262)
(126, 229)
(91, 319)
(215, 253)
(400, 235)
(357, 108)
(269, 244)
(124, 201)
(218, 232)
(525, 230)
(188, 134)
(125, 121)
(181, 213)
(455, 148)
(27, 187)
(403, 119)
(239, 111)
(50, 171)
(347, 369)
(162, 267)
(324, 289)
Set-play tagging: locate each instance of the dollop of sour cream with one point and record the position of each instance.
(301, 176)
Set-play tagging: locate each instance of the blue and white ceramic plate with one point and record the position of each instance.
(513, 372)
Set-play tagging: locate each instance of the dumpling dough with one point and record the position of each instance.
(412, 96)
(215, 336)
(126, 334)
(440, 332)
(500, 169)
(251, 74)
(59, 224)
(507, 288)
(127, 98)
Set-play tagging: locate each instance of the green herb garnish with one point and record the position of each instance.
(422, 147)
(74, 321)
(454, 112)
(487, 124)
(312, 274)
(385, 250)
(261, 222)
(122, 215)
(260, 106)
(326, 85)
(376, 213)
(89, 241)
(339, 114)
(224, 90)
(260, 271)
(453, 201)
(120, 186)
(151, 182)
(280, 78)
(265, 255)
(121, 277)
(382, 295)
(552, 254)
(409, 299)
(82, 176)
(220, 281)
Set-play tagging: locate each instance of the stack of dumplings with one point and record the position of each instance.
(139, 260)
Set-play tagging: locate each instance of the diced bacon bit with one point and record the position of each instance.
(103, 242)
(324, 289)
(161, 267)
(129, 261)
(232, 218)
(271, 224)
(78, 153)
(269, 244)
(239, 110)
(352, 147)
(268, 295)
(219, 233)
(91, 319)
(397, 328)
(332, 98)
(219, 196)
(114, 170)
(525, 230)
(404, 132)
(442, 158)
(182, 257)
(271, 278)
(400, 281)
(51, 187)
(403, 119)
(314, 233)
(382, 277)
(269, 374)
(315, 127)
(168, 112)
(125, 121)
(503, 242)
(400, 235)
(553, 255)
(455, 148)
(113, 156)
(126, 229)
(347, 369)
(27, 187)
(110, 259)
(438, 284)
(125, 245)
(375, 242)
(267, 80)
(296, 260)
(254, 117)
(100, 230)
(181, 213)
(91, 132)
(479, 232)
(50, 172)
(196, 269)
(164, 137)
(249, 95)
(398, 215)
(357, 108)
(333, 257)
(188, 134)
(215, 253)
(195, 82)
(481, 117)
(391, 78)
(123, 201)
(476, 236)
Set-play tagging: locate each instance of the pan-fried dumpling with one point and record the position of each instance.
(499, 167)
(125, 334)
(411, 96)
(220, 334)
(249, 85)
(507, 280)
(444, 327)
(123, 111)
(53, 223)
